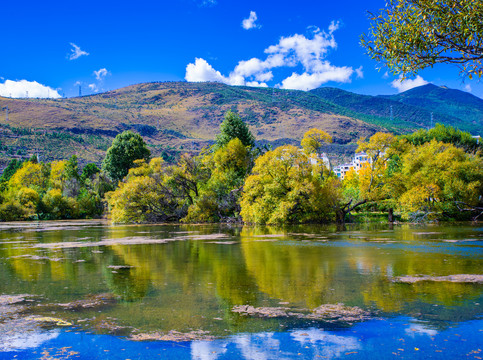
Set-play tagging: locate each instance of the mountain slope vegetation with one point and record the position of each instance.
(176, 117)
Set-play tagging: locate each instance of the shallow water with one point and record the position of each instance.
(88, 289)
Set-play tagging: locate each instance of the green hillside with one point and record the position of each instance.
(176, 117)
(172, 117)
(465, 107)
(406, 116)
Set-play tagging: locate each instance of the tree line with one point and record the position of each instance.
(434, 174)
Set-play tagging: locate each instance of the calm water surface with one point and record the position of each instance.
(87, 290)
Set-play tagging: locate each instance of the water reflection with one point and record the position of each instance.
(190, 277)
(401, 337)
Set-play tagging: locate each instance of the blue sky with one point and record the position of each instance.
(49, 48)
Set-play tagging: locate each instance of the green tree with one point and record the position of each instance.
(234, 127)
(446, 134)
(72, 168)
(88, 171)
(125, 149)
(411, 35)
(11, 168)
(219, 193)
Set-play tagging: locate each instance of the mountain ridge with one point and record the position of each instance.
(181, 116)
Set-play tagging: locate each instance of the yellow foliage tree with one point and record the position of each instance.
(57, 174)
(439, 179)
(29, 175)
(285, 188)
(313, 140)
(144, 195)
(218, 193)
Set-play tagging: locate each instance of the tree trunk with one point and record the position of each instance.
(340, 216)
(390, 215)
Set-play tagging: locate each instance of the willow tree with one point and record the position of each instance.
(411, 35)
(284, 187)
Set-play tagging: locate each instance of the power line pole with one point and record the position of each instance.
(80, 91)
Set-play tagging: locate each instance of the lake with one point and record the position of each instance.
(87, 290)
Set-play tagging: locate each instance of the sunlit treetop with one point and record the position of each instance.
(410, 35)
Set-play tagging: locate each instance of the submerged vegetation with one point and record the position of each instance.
(432, 174)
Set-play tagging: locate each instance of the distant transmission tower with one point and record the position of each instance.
(392, 115)
(431, 120)
(80, 91)
(6, 114)
(27, 94)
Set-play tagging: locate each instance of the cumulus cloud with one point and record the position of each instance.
(291, 51)
(20, 89)
(202, 71)
(249, 23)
(101, 74)
(404, 85)
(308, 81)
(468, 87)
(76, 52)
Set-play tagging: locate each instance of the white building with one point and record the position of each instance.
(316, 159)
(356, 164)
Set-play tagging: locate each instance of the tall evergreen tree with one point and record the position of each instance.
(234, 127)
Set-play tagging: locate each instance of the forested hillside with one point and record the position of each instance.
(176, 117)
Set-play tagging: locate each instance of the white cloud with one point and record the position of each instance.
(101, 74)
(386, 75)
(468, 87)
(292, 51)
(256, 84)
(76, 52)
(404, 85)
(249, 23)
(334, 25)
(93, 87)
(309, 52)
(206, 3)
(202, 71)
(19, 89)
(264, 76)
(308, 81)
(359, 72)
